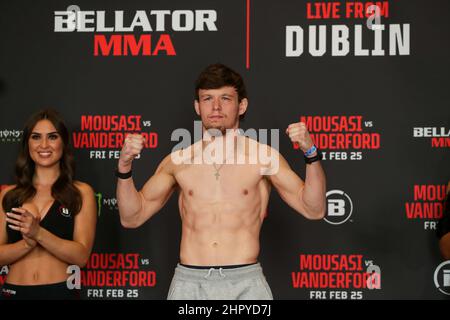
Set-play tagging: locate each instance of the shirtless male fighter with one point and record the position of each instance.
(222, 203)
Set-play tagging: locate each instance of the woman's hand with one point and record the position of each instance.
(26, 223)
(29, 242)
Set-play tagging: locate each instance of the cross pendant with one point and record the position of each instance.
(217, 174)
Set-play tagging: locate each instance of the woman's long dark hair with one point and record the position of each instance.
(63, 190)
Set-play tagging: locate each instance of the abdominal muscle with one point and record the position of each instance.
(39, 267)
(222, 231)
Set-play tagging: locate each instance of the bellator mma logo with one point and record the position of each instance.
(341, 133)
(440, 137)
(442, 277)
(109, 132)
(123, 24)
(339, 207)
(427, 204)
(341, 38)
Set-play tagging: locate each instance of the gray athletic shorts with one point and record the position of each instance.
(241, 283)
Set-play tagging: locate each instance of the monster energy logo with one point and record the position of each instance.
(99, 197)
(110, 202)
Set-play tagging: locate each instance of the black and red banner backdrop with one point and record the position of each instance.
(370, 79)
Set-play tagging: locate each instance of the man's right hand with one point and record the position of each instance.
(132, 147)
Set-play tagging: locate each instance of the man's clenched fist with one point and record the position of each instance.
(299, 134)
(132, 147)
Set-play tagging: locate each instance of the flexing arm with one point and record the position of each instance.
(308, 197)
(74, 251)
(136, 207)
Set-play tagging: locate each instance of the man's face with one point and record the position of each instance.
(220, 108)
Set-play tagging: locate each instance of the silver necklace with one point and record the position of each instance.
(217, 174)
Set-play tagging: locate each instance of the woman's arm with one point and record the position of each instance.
(10, 253)
(76, 251)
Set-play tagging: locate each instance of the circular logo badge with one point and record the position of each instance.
(339, 207)
(442, 277)
(64, 211)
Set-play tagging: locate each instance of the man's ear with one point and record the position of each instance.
(243, 106)
(197, 107)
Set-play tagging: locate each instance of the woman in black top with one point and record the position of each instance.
(47, 220)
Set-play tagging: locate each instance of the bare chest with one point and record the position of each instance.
(219, 182)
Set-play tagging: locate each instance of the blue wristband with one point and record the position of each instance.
(311, 150)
